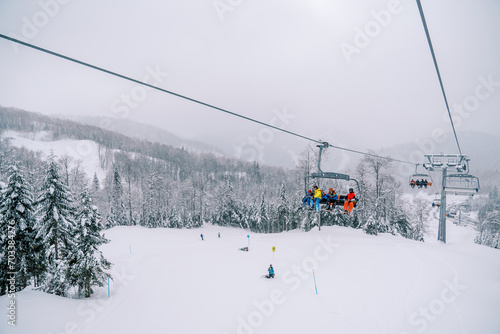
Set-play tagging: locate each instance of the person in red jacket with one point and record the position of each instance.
(349, 201)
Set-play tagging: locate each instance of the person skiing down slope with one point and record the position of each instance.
(271, 271)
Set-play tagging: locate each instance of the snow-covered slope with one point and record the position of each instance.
(85, 151)
(152, 133)
(170, 281)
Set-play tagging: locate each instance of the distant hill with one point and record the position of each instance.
(143, 131)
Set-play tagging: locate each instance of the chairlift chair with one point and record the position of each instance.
(438, 161)
(437, 201)
(462, 184)
(331, 176)
(415, 179)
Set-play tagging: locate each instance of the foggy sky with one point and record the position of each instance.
(355, 73)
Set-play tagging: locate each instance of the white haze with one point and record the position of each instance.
(279, 62)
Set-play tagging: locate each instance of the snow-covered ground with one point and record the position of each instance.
(85, 151)
(170, 281)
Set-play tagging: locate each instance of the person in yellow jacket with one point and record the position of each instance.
(317, 197)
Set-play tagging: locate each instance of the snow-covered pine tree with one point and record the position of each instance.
(250, 216)
(262, 216)
(96, 186)
(17, 233)
(79, 179)
(55, 225)
(117, 215)
(228, 211)
(418, 212)
(154, 205)
(283, 211)
(371, 226)
(489, 221)
(174, 218)
(87, 264)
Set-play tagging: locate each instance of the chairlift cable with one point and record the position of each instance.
(438, 73)
(192, 99)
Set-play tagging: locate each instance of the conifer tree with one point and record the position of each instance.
(263, 220)
(283, 211)
(55, 227)
(87, 264)
(95, 184)
(17, 234)
(228, 211)
(117, 214)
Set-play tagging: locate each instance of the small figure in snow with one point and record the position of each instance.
(219, 235)
(271, 271)
(245, 249)
(412, 183)
(201, 235)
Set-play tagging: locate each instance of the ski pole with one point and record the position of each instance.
(315, 287)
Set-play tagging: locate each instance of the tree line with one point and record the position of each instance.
(49, 239)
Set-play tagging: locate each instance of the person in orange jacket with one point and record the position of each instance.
(349, 201)
(317, 197)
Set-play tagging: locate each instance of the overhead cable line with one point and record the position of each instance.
(368, 154)
(438, 73)
(191, 99)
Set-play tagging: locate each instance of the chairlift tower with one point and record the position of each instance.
(442, 162)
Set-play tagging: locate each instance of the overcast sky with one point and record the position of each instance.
(356, 73)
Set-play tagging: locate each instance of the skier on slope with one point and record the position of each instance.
(201, 235)
(271, 271)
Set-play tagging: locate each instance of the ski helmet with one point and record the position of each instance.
(350, 189)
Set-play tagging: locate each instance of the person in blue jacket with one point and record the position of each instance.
(331, 199)
(271, 271)
(201, 235)
(307, 200)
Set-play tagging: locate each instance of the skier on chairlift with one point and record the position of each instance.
(308, 199)
(317, 197)
(349, 201)
(331, 199)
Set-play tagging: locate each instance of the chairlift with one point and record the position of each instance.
(437, 201)
(439, 161)
(461, 184)
(331, 176)
(419, 180)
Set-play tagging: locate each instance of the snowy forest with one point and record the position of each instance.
(59, 212)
